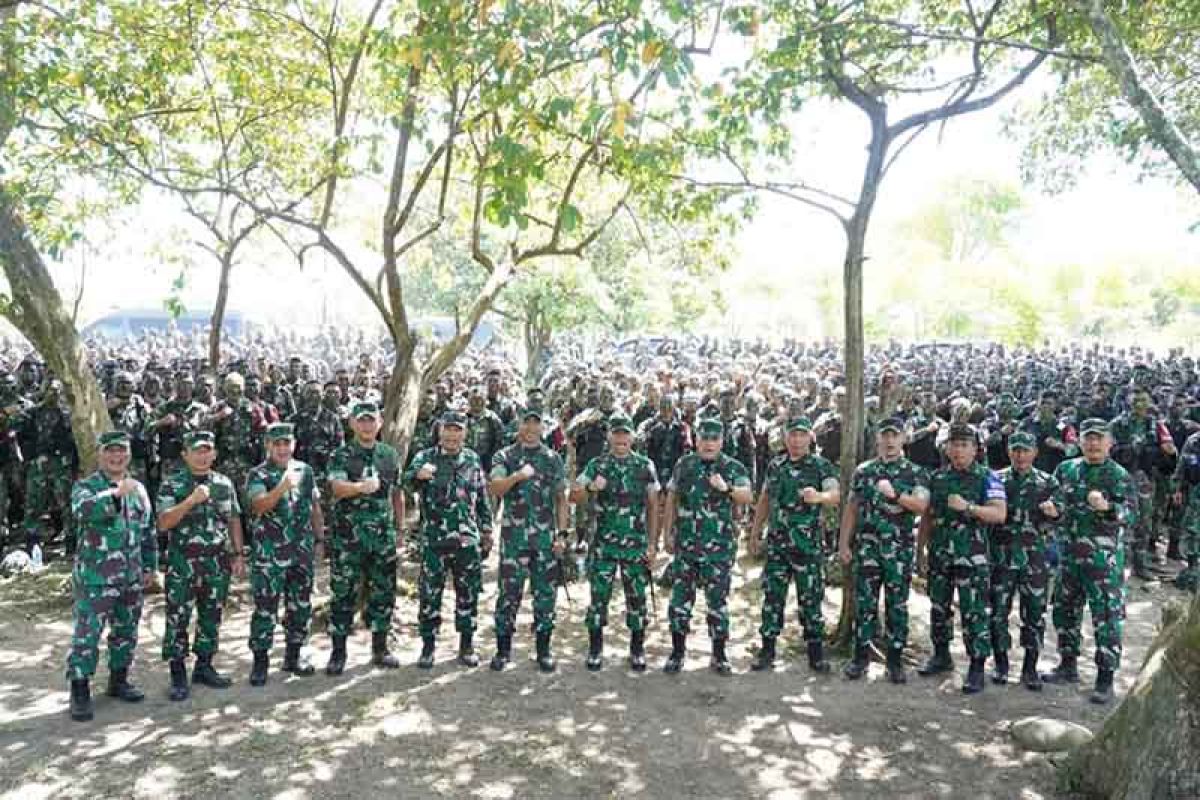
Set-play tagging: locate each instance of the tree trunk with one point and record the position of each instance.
(218, 313)
(1150, 746)
(402, 401)
(537, 338)
(35, 307)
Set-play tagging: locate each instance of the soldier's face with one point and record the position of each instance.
(1096, 446)
(708, 448)
(798, 443)
(531, 431)
(1022, 458)
(620, 443)
(451, 438)
(333, 397)
(1141, 403)
(366, 428)
(889, 444)
(114, 459)
(961, 452)
(200, 459)
(281, 451)
(475, 403)
(233, 391)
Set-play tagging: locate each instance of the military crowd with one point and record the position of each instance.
(1036, 477)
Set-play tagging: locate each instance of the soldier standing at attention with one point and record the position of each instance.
(364, 476)
(702, 493)
(114, 562)
(289, 531)
(625, 487)
(456, 521)
(797, 485)
(199, 510)
(965, 498)
(887, 494)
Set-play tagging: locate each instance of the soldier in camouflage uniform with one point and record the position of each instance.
(1186, 482)
(319, 433)
(701, 495)
(456, 521)
(485, 431)
(797, 486)
(364, 476)
(115, 560)
(1140, 441)
(12, 467)
(1100, 503)
(130, 413)
(625, 488)
(965, 498)
(1018, 556)
(50, 451)
(288, 532)
(199, 509)
(172, 419)
(887, 494)
(238, 427)
(530, 481)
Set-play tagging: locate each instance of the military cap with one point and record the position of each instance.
(364, 408)
(963, 431)
(1093, 425)
(711, 428)
(620, 422)
(280, 430)
(1021, 440)
(891, 424)
(113, 439)
(529, 412)
(799, 424)
(454, 417)
(196, 439)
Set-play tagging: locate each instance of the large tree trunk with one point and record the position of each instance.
(218, 313)
(1150, 747)
(35, 307)
(537, 339)
(402, 401)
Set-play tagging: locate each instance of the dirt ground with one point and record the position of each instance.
(453, 732)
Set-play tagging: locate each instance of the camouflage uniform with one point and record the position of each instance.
(454, 512)
(117, 548)
(170, 439)
(621, 540)
(527, 535)
(363, 544)
(1018, 557)
(1187, 481)
(1136, 448)
(131, 415)
(884, 549)
(319, 434)
(1092, 568)
(705, 542)
(239, 442)
(794, 543)
(197, 561)
(281, 564)
(958, 557)
(51, 458)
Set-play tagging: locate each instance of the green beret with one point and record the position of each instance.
(196, 439)
(280, 430)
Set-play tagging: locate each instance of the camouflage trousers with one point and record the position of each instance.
(635, 577)
(194, 580)
(807, 570)
(1093, 575)
(540, 569)
(47, 491)
(466, 570)
(892, 575)
(11, 489)
(118, 607)
(375, 572)
(1141, 542)
(971, 584)
(1019, 568)
(1189, 542)
(269, 582)
(714, 578)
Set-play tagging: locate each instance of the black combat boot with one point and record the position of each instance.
(545, 658)
(1030, 678)
(120, 687)
(816, 657)
(678, 653)
(296, 663)
(595, 657)
(974, 680)
(938, 663)
(381, 653)
(425, 660)
(766, 655)
(337, 657)
(466, 650)
(1102, 695)
(1000, 667)
(719, 663)
(895, 666)
(857, 666)
(205, 675)
(1067, 671)
(179, 680)
(503, 653)
(81, 700)
(260, 668)
(637, 651)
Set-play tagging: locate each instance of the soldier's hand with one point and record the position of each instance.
(1097, 500)
(199, 495)
(886, 489)
(291, 479)
(717, 482)
(369, 485)
(956, 502)
(1049, 509)
(810, 495)
(426, 472)
(845, 555)
(527, 472)
(126, 487)
(598, 483)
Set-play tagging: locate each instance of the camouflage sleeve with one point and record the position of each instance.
(256, 484)
(587, 474)
(338, 470)
(922, 483)
(90, 505)
(168, 496)
(149, 536)
(499, 468)
(739, 475)
(858, 482)
(234, 503)
(409, 478)
(559, 471)
(830, 477)
(1123, 503)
